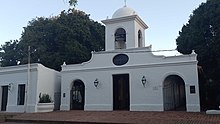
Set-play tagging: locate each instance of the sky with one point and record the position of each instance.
(165, 18)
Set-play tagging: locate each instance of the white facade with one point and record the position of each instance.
(127, 76)
(42, 80)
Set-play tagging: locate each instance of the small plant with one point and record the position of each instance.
(44, 98)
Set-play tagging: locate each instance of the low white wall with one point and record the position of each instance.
(49, 82)
(45, 107)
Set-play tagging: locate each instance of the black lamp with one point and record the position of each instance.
(144, 81)
(96, 83)
(10, 86)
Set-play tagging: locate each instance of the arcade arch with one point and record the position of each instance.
(77, 95)
(174, 95)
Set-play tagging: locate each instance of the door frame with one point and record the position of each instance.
(124, 103)
(79, 95)
(4, 97)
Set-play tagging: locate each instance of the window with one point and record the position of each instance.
(21, 94)
(120, 38)
(140, 39)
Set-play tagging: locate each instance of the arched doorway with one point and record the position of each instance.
(77, 95)
(174, 95)
(120, 39)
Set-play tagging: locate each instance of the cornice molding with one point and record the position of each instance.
(69, 70)
(19, 68)
(125, 19)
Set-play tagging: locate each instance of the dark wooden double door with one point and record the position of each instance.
(121, 92)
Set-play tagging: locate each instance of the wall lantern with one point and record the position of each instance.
(10, 86)
(96, 82)
(144, 81)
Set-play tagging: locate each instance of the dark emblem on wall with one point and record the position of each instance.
(120, 59)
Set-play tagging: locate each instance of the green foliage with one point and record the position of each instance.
(73, 2)
(45, 98)
(202, 34)
(69, 37)
(12, 56)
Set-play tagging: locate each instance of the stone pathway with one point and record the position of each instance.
(121, 117)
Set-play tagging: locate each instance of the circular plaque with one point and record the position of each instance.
(120, 59)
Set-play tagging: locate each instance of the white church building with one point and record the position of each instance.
(128, 76)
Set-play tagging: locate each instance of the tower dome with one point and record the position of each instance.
(124, 11)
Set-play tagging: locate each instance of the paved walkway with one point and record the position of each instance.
(169, 117)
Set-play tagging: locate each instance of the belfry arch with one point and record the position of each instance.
(140, 39)
(120, 38)
(174, 95)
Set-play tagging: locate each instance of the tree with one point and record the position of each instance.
(11, 58)
(69, 37)
(202, 34)
(73, 2)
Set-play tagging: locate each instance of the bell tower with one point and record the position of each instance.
(125, 30)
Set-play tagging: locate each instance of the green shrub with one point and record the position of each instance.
(44, 98)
